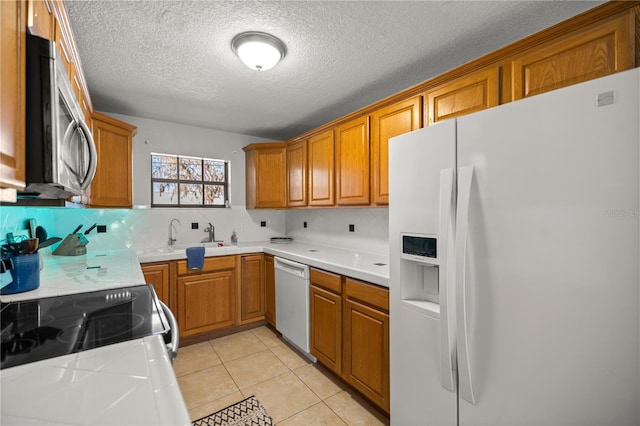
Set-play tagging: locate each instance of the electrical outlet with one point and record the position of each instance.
(102, 229)
(194, 225)
(263, 223)
(304, 224)
(352, 228)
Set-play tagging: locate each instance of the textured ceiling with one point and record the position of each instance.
(172, 61)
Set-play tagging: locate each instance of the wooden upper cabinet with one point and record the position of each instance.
(352, 162)
(393, 120)
(41, 19)
(12, 95)
(297, 174)
(464, 95)
(606, 49)
(63, 44)
(111, 186)
(321, 171)
(265, 167)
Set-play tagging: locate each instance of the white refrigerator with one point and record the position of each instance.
(514, 263)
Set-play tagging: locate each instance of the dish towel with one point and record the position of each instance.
(195, 257)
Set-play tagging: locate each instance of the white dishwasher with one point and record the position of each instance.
(292, 303)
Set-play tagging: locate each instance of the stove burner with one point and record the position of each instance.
(24, 342)
(18, 346)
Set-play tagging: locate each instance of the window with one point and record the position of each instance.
(181, 181)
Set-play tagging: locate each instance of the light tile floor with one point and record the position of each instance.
(294, 391)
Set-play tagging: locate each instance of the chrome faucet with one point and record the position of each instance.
(171, 228)
(212, 233)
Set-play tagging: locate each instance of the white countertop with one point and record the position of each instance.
(88, 272)
(128, 383)
(373, 268)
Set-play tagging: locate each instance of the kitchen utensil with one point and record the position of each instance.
(49, 241)
(90, 229)
(73, 245)
(33, 228)
(29, 246)
(41, 234)
(77, 229)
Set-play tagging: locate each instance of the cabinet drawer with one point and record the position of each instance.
(368, 293)
(210, 264)
(326, 280)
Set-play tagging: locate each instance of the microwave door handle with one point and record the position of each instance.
(71, 128)
(93, 156)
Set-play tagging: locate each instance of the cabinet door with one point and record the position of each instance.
(265, 168)
(252, 298)
(111, 186)
(325, 322)
(366, 351)
(321, 169)
(297, 174)
(393, 120)
(157, 275)
(12, 94)
(604, 50)
(206, 302)
(352, 162)
(63, 43)
(463, 96)
(40, 20)
(270, 289)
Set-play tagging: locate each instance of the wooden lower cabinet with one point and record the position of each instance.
(325, 311)
(157, 275)
(206, 299)
(366, 351)
(252, 289)
(270, 290)
(349, 328)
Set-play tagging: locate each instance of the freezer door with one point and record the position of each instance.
(421, 195)
(548, 295)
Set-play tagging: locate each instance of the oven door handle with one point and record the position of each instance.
(175, 335)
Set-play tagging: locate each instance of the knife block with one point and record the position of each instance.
(72, 245)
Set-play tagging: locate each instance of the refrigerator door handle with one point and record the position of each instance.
(445, 242)
(465, 179)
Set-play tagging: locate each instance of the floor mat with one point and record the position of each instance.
(248, 412)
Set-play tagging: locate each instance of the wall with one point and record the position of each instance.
(330, 227)
(143, 227)
(172, 138)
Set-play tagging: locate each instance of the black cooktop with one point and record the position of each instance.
(34, 330)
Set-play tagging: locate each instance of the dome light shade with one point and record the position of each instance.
(259, 51)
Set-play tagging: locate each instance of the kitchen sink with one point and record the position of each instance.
(211, 245)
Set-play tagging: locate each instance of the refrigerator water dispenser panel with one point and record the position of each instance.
(420, 248)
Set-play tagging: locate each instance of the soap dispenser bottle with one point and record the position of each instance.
(234, 237)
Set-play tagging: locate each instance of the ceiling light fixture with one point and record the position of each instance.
(259, 51)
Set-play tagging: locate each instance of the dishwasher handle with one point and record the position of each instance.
(294, 268)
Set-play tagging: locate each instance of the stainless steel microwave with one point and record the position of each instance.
(61, 154)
